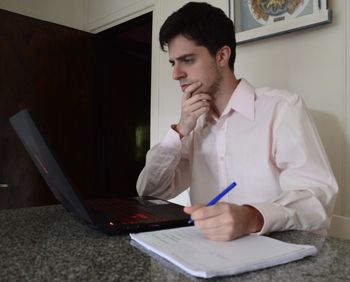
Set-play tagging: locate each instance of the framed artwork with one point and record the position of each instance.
(257, 19)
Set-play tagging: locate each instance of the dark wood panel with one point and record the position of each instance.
(49, 69)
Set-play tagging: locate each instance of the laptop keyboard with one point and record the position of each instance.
(134, 210)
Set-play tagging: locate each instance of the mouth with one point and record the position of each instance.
(184, 86)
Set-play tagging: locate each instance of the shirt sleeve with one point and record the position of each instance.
(166, 173)
(307, 182)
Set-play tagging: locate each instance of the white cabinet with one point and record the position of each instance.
(98, 9)
(103, 14)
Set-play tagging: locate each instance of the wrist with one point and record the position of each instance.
(179, 131)
(255, 219)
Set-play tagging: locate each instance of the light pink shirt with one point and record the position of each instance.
(267, 143)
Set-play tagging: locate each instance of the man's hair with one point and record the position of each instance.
(206, 25)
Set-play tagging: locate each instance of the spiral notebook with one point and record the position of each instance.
(188, 249)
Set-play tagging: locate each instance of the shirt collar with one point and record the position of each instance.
(242, 100)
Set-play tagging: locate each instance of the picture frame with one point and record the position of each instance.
(259, 19)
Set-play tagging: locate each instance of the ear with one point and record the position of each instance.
(223, 56)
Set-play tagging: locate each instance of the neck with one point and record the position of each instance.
(224, 93)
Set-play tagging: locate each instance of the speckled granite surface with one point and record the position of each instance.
(48, 244)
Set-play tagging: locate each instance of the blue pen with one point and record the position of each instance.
(218, 197)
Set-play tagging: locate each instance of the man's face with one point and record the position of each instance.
(192, 63)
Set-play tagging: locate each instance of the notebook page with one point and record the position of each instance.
(188, 249)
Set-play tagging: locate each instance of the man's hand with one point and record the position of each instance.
(224, 221)
(193, 105)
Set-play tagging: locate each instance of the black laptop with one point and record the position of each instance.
(110, 216)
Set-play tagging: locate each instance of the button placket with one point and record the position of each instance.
(221, 151)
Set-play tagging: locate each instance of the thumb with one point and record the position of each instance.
(186, 96)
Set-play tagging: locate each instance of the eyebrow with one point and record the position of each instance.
(182, 57)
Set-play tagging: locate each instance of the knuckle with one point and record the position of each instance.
(224, 207)
(200, 213)
(229, 221)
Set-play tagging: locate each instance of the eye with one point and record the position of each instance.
(188, 60)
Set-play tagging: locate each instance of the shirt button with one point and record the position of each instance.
(222, 158)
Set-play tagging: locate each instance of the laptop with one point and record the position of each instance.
(110, 216)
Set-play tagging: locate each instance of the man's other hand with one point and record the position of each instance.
(224, 221)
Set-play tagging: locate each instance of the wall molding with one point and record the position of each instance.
(346, 182)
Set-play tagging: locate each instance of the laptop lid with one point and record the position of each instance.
(47, 165)
(111, 216)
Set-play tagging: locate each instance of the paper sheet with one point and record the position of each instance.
(187, 248)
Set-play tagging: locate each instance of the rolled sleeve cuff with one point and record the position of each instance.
(274, 218)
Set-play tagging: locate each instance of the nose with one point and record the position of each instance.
(178, 73)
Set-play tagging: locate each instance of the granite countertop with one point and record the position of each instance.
(47, 243)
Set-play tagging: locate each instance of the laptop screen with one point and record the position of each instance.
(47, 164)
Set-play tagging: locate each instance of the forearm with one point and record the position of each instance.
(166, 172)
(298, 210)
(162, 176)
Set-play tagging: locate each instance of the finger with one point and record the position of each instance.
(200, 97)
(205, 212)
(222, 232)
(193, 104)
(191, 209)
(198, 105)
(221, 236)
(209, 223)
(190, 89)
(200, 111)
(187, 101)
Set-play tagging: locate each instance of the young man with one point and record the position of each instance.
(261, 138)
